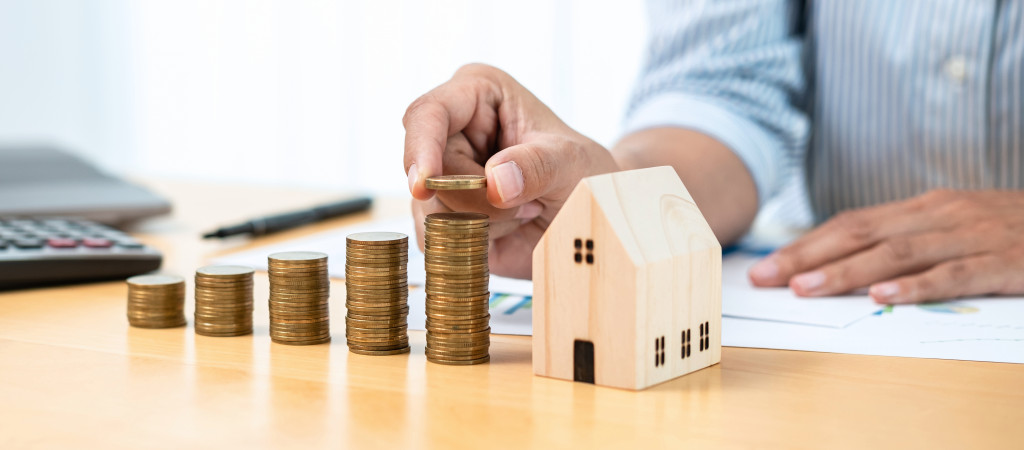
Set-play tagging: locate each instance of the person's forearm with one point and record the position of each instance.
(716, 178)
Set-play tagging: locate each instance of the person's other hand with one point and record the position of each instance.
(937, 246)
(483, 122)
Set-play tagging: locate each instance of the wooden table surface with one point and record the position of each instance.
(74, 374)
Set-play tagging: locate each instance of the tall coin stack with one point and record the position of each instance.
(458, 321)
(377, 293)
(299, 289)
(224, 301)
(156, 301)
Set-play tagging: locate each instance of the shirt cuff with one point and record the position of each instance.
(748, 140)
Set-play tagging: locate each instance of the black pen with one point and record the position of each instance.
(278, 222)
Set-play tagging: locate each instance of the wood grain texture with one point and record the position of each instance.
(655, 277)
(74, 375)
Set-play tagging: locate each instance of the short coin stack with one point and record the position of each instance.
(224, 301)
(156, 301)
(377, 293)
(299, 290)
(458, 322)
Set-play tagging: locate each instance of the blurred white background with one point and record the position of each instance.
(306, 92)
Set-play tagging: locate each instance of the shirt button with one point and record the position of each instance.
(956, 69)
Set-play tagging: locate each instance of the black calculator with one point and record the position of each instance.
(37, 252)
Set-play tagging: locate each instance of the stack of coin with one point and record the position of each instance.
(299, 289)
(458, 322)
(224, 300)
(156, 301)
(377, 288)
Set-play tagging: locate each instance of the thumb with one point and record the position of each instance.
(526, 172)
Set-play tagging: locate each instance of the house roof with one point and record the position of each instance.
(652, 213)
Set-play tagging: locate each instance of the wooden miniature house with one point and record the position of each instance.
(627, 284)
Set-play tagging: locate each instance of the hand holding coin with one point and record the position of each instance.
(483, 122)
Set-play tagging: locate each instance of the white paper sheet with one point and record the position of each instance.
(742, 300)
(333, 244)
(970, 330)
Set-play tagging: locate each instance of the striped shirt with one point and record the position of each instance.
(855, 102)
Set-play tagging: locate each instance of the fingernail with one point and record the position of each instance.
(886, 292)
(808, 282)
(414, 176)
(529, 211)
(509, 178)
(765, 270)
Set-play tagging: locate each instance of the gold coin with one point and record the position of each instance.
(379, 352)
(312, 272)
(378, 237)
(174, 323)
(302, 342)
(457, 218)
(478, 240)
(152, 281)
(451, 362)
(357, 253)
(370, 313)
(390, 268)
(440, 317)
(380, 346)
(220, 271)
(473, 349)
(376, 296)
(297, 256)
(367, 324)
(444, 251)
(394, 331)
(440, 328)
(453, 182)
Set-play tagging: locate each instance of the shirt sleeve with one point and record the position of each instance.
(731, 70)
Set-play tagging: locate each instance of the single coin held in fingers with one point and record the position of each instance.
(453, 182)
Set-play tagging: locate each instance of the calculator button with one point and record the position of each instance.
(29, 243)
(57, 222)
(97, 243)
(57, 242)
(127, 243)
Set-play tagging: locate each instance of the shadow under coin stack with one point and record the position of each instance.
(224, 301)
(299, 292)
(377, 293)
(458, 321)
(156, 301)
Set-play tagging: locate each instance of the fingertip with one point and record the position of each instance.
(506, 182)
(423, 194)
(809, 284)
(886, 293)
(529, 211)
(417, 184)
(798, 290)
(764, 272)
(414, 177)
